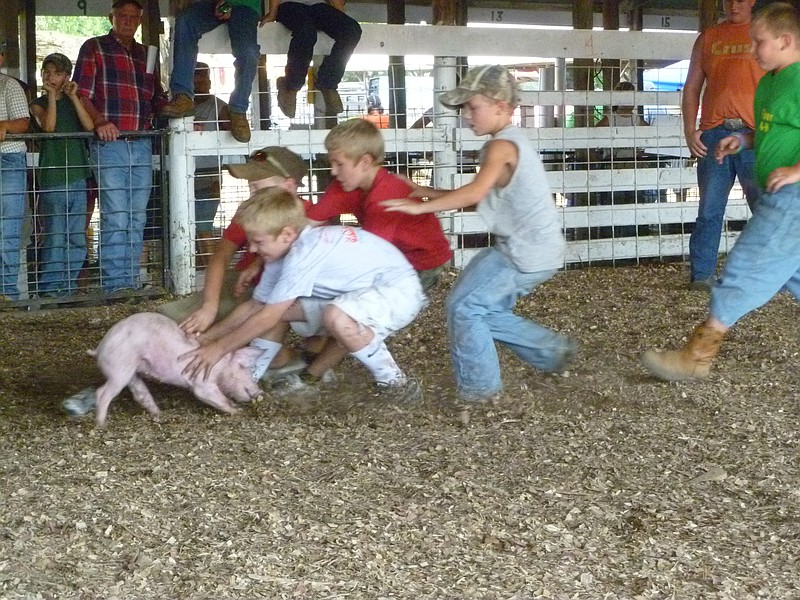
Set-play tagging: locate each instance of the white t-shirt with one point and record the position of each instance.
(326, 262)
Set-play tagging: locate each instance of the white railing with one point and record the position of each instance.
(569, 176)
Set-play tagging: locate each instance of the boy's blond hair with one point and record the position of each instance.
(779, 18)
(271, 210)
(356, 137)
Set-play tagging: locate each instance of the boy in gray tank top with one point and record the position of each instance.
(514, 199)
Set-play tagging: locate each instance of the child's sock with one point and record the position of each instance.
(270, 351)
(377, 358)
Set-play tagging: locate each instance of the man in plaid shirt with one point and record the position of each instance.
(121, 88)
(13, 119)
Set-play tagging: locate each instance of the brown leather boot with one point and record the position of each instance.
(180, 106)
(287, 99)
(693, 361)
(333, 102)
(240, 128)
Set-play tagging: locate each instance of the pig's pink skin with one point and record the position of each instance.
(149, 345)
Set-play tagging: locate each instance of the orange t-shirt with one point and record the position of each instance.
(732, 75)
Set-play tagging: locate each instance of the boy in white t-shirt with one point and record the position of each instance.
(344, 281)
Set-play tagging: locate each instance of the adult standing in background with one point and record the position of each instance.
(242, 18)
(13, 179)
(119, 83)
(304, 18)
(722, 61)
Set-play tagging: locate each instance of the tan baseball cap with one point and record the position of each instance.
(493, 81)
(272, 161)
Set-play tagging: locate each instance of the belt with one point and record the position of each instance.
(734, 124)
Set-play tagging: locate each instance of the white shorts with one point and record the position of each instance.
(383, 310)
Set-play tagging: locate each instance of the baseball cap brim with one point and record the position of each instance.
(457, 97)
(253, 171)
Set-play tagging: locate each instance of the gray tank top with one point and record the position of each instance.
(522, 215)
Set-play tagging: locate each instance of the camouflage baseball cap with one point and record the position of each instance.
(59, 61)
(272, 161)
(493, 81)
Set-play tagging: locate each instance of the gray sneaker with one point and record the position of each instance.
(81, 403)
(302, 384)
(292, 368)
(400, 391)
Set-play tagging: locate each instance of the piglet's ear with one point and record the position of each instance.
(247, 356)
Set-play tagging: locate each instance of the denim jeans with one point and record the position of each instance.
(480, 312)
(63, 249)
(124, 173)
(198, 19)
(304, 21)
(765, 258)
(13, 180)
(715, 182)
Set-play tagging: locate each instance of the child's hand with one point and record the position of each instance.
(403, 205)
(70, 89)
(199, 320)
(201, 361)
(783, 176)
(49, 88)
(270, 17)
(247, 277)
(726, 146)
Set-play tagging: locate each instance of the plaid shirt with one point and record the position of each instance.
(13, 105)
(115, 80)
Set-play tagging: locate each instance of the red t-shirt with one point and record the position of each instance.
(235, 234)
(418, 237)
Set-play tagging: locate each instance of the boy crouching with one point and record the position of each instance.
(344, 281)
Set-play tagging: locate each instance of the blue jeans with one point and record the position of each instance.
(63, 249)
(304, 21)
(480, 312)
(765, 258)
(13, 181)
(198, 19)
(124, 173)
(715, 182)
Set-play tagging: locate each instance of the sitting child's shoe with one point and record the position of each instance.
(404, 390)
(301, 384)
(293, 367)
(240, 128)
(180, 106)
(333, 102)
(287, 99)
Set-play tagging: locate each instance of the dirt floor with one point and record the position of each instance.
(603, 484)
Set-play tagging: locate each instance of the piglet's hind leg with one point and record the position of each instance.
(143, 396)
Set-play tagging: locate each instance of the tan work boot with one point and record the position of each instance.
(240, 128)
(333, 102)
(693, 361)
(180, 106)
(287, 99)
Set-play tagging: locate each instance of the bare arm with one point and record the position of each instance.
(272, 12)
(247, 322)
(71, 91)
(496, 169)
(690, 101)
(199, 320)
(104, 129)
(13, 126)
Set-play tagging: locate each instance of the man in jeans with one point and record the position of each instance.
(242, 17)
(13, 178)
(121, 89)
(721, 60)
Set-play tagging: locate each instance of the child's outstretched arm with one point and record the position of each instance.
(203, 317)
(783, 176)
(496, 169)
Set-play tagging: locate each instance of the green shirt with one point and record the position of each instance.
(777, 113)
(64, 160)
(254, 4)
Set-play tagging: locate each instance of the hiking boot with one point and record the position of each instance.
(693, 361)
(240, 128)
(81, 403)
(180, 106)
(703, 284)
(287, 99)
(405, 390)
(333, 102)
